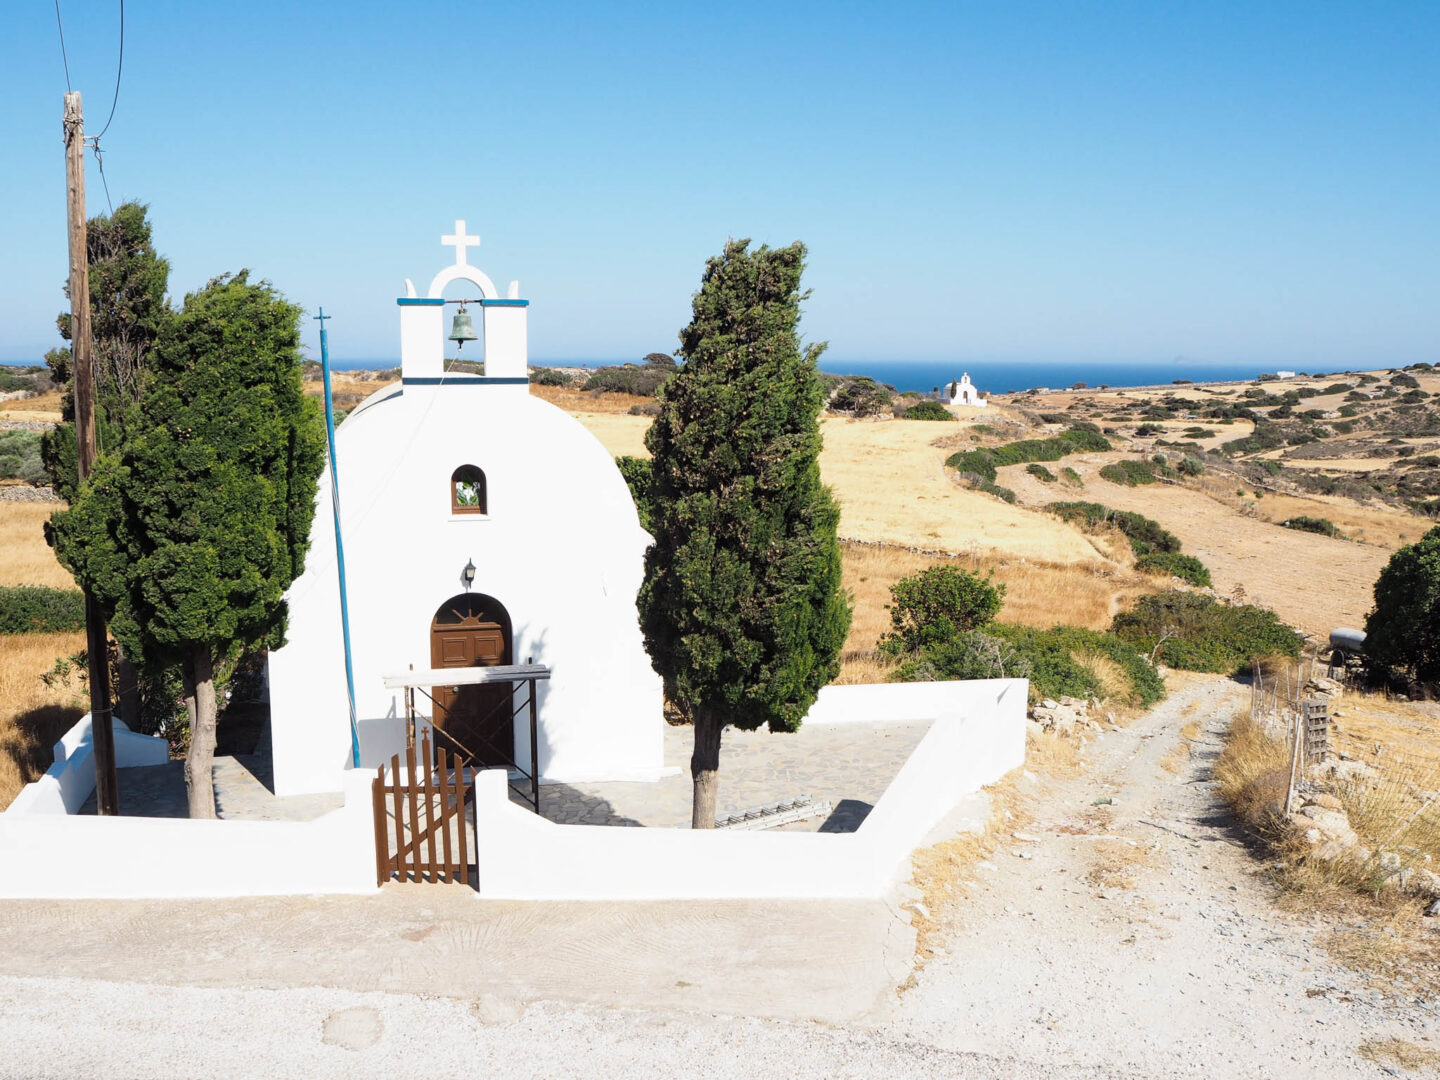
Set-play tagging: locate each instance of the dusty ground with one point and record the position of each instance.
(1313, 582)
(1121, 932)
(1127, 927)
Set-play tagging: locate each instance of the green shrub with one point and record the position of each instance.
(1040, 473)
(1071, 477)
(936, 604)
(1190, 466)
(640, 478)
(999, 492)
(39, 609)
(928, 410)
(971, 654)
(1198, 633)
(549, 377)
(1322, 526)
(1055, 669)
(20, 456)
(984, 462)
(860, 396)
(977, 463)
(642, 380)
(1185, 567)
(1129, 473)
(11, 381)
(1145, 535)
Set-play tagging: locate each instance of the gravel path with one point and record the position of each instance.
(1137, 934)
(1066, 961)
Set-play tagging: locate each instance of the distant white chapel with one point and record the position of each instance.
(481, 526)
(962, 393)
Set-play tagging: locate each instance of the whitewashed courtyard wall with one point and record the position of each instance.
(978, 736)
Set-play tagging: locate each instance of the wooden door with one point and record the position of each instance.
(476, 721)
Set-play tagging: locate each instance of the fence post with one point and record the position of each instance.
(382, 831)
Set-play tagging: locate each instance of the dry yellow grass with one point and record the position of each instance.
(1052, 754)
(891, 482)
(1275, 566)
(1388, 529)
(1117, 861)
(1252, 774)
(32, 715)
(578, 402)
(1036, 594)
(42, 407)
(940, 871)
(1400, 1054)
(27, 559)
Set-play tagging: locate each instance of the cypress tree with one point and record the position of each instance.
(742, 609)
(190, 533)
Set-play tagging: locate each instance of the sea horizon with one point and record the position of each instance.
(993, 376)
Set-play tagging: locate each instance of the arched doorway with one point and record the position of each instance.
(475, 722)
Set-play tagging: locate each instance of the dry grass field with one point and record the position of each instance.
(1036, 594)
(27, 559)
(893, 487)
(42, 407)
(32, 715)
(1313, 582)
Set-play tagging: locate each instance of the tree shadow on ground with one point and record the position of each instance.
(29, 739)
(566, 805)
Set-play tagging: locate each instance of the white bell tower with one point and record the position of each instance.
(423, 326)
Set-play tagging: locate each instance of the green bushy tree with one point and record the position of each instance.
(936, 604)
(128, 311)
(190, 533)
(742, 608)
(1403, 631)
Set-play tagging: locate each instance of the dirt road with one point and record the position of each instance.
(1127, 927)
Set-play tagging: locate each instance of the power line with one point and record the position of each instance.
(100, 161)
(119, 66)
(64, 59)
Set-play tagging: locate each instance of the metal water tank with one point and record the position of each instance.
(1347, 640)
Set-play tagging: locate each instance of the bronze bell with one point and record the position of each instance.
(462, 329)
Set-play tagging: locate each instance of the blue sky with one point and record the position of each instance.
(1056, 182)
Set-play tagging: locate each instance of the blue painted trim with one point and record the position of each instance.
(464, 379)
(504, 303)
(420, 301)
(339, 542)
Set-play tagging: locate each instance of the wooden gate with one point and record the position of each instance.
(423, 807)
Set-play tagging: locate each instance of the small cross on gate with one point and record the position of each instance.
(460, 241)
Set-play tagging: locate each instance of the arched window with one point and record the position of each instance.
(467, 491)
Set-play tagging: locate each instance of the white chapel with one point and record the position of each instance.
(962, 393)
(481, 526)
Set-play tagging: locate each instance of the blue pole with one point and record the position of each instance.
(339, 542)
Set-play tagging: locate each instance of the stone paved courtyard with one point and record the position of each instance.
(243, 791)
(846, 765)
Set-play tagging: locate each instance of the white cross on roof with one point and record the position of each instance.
(460, 241)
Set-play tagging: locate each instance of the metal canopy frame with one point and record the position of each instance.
(424, 679)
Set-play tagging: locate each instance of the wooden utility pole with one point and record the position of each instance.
(107, 794)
